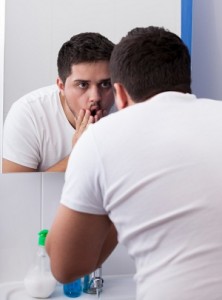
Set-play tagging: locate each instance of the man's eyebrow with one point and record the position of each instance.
(105, 79)
(87, 81)
(81, 80)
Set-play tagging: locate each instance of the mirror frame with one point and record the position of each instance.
(2, 48)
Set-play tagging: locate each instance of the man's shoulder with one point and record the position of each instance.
(47, 90)
(42, 94)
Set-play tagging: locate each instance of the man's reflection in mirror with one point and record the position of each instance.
(42, 127)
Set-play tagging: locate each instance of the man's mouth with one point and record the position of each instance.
(94, 110)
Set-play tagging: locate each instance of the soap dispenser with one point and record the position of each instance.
(73, 289)
(39, 281)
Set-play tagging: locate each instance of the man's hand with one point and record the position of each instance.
(83, 120)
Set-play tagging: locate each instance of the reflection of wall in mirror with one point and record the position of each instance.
(32, 42)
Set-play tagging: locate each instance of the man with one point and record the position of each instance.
(42, 127)
(156, 179)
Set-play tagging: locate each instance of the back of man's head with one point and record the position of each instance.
(151, 60)
(83, 48)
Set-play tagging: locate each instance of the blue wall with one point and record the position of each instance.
(186, 22)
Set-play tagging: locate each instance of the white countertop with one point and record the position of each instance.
(118, 287)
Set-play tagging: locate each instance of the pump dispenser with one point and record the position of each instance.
(73, 289)
(39, 281)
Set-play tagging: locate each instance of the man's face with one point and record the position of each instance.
(88, 87)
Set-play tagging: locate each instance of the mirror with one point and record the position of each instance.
(35, 31)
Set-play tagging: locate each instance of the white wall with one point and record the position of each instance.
(207, 49)
(29, 201)
(28, 204)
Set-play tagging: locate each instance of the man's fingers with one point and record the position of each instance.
(85, 119)
(80, 118)
(104, 113)
(98, 115)
(91, 120)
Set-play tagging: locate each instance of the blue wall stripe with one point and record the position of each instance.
(186, 22)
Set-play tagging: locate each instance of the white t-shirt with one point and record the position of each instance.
(37, 133)
(156, 169)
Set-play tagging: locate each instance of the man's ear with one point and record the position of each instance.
(121, 96)
(60, 84)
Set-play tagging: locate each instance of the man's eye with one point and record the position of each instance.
(106, 84)
(83, 85)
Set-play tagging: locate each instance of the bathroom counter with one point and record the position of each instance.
(118, 287)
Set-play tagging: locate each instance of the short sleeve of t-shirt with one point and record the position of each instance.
(19, 141)
(84, 178)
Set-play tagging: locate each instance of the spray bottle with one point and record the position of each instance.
(39, 281)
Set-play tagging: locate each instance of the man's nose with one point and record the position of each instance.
(95, 94)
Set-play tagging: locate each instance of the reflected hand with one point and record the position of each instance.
(99, 114)
(85, 118)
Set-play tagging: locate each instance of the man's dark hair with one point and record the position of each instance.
(81, 48)
(151, 60)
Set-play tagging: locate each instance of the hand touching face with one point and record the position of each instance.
(85, 118)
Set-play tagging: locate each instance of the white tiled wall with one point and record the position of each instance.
(28, 204)
(20, 219)
(52, 184)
